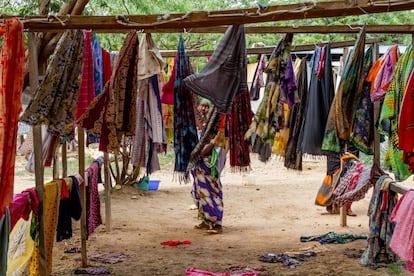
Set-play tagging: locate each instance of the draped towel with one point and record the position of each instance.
(225, 75)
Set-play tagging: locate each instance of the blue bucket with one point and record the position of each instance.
(153, 185)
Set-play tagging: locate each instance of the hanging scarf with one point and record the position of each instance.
(258, 80)
(12, 62)
(388, 122)
(239, 121)
(406, 124)
(87, 89)
(363, 123)
(54, 102)
(112, 114)
(185, 131)
(97, 57)
(265, 119)
(339, 123)
(226, 69)
(293, 154)
(380, 75)
(321, 94)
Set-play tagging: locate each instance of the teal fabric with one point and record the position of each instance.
(4, 241)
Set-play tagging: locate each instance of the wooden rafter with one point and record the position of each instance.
(202, 19)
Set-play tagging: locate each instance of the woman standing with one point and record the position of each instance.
(207, 188)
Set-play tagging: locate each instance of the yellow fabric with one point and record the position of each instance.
(51, 207)
(21, 248)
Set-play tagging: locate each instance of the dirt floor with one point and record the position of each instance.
(267, 212)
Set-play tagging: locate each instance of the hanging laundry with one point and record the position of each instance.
(239, 122)
(388, 121)
(258, 79)
(226, 70)
(185, 131)
(87, 88)
(54, 102)
(382, 71)
(112, 114)
(406, 123)
(12, 60)
(4, 239)
(262, 129)
(23, 204)
(93, 203)
(21, 248)
(402, 240)
(51, 206)
(381, 229)
(362, 135)
(339, 122)
(293, 153)
(319, 100)
(149, 130)
(167, 96)
(70, 207)
(98, 65)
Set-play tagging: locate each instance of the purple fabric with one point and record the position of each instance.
(289, 84)
(94, 218)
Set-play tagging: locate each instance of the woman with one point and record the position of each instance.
(207, 188)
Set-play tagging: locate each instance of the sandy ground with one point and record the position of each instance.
(267, 214)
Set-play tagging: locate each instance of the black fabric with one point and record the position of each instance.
(321, 94)
(69, 208)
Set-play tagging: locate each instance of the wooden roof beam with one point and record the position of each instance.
(196, 19)
(309, 29)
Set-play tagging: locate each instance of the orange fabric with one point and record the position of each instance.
(12, 63)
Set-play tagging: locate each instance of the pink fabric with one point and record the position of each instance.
(23, 204)
(409, 266)
(87, 90)
(167, 96)
(402, 241)
(382, 72)
(198, 272)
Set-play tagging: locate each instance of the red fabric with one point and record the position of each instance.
(198, 272)
(12, 62)
(107, 67)
(87, 90)
(175, 243)
(321, 66)
(64, 193)
(167, 96)
(406, 120)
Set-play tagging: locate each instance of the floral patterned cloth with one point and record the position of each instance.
(54, 102)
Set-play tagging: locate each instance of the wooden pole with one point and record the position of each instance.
(377, 109)
(81, 159)
(38, 156)
(108, 188)
(64, 160)
(56, 164)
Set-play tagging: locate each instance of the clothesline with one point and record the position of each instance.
(269, 49)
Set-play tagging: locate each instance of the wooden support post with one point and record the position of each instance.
(64, 160)
(56, 164)
(81, 159)
(108, 188)
(342, 211)
(38, 156)
(377, 109)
